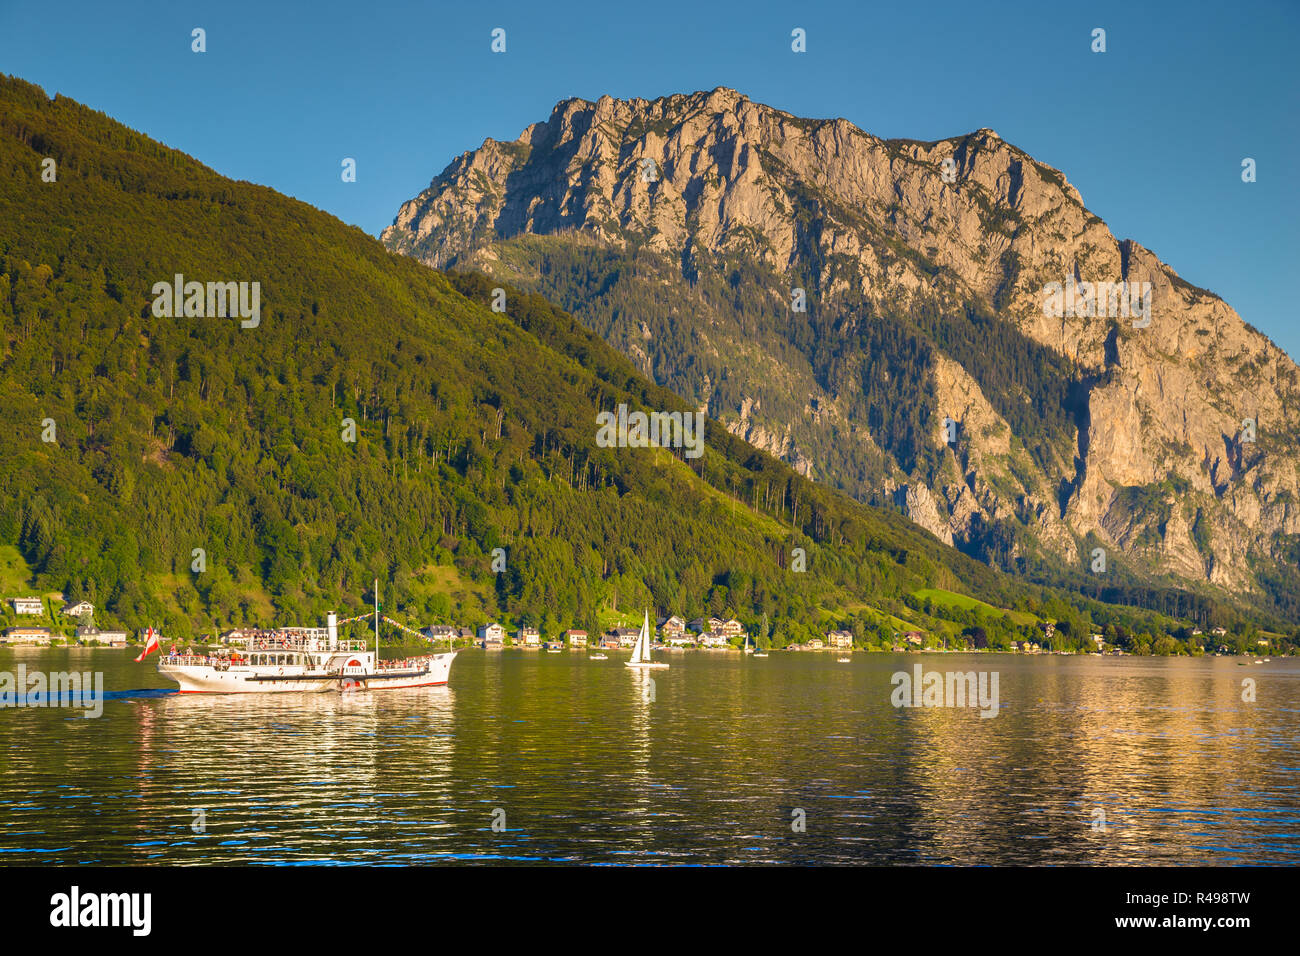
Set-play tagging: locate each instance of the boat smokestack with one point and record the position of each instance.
(332, 627)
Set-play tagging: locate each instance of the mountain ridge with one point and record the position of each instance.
(1083, 431)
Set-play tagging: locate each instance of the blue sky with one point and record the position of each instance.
(1152, 132)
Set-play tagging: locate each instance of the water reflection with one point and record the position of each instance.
(1089, 760)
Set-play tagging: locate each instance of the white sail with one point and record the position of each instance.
(641, 650)
(636, 651)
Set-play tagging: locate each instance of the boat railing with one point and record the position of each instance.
(410, 663)
(282, 643)
(187, 660)
(295, 643)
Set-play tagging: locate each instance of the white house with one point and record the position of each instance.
(30, 605)
(492, 633)
(78, 609)
(93, 635)
(529, 636)
(576, 638)
(626, 636)
(713, 639)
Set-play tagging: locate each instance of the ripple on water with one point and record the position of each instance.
(587, 770)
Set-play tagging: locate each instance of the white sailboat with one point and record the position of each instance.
(641, 650)
(749, 648)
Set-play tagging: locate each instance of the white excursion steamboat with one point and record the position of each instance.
(304, 660)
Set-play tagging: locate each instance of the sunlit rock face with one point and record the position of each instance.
(1153, 460)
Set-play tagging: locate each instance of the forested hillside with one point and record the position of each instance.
(194, 473)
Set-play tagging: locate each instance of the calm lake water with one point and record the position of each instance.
(586, 765)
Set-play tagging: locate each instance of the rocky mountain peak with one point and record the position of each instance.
(1139, 381)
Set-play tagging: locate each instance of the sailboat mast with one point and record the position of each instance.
(376, 622)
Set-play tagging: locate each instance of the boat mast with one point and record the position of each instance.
(376, 622)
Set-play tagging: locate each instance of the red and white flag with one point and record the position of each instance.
(150, 645)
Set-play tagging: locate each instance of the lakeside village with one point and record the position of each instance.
(72, 624)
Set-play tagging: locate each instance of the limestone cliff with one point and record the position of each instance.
(684, 228)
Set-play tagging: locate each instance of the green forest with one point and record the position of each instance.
(195, 475)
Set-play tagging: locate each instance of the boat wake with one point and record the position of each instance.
(39, 699)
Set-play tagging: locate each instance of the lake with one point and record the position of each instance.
(534, 757)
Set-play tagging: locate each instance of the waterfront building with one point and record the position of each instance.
(492, 634)
(441, 632)
(93, 635)
(27, 635)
